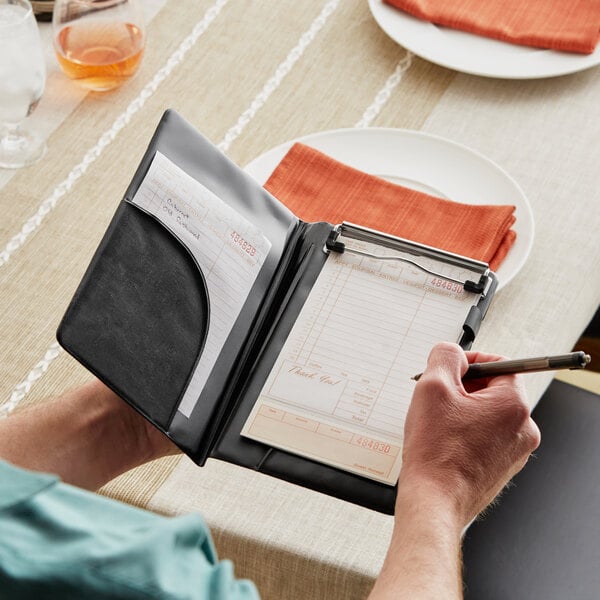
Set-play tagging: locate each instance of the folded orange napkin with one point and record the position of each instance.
(566, 25)
(316, 187)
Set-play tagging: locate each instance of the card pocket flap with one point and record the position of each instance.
(140, 316)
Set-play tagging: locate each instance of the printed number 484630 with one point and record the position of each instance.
(447, 285)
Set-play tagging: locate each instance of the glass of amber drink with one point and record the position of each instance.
(98, 43)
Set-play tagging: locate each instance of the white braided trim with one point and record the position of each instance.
(23, 388)
(280, 73)
(109, 136)
(381, 98)
(385, 92)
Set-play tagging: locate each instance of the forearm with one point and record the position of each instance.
(87, 437)
(424, 557)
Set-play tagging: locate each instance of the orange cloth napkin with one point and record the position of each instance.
(316, 187)
(566, 25)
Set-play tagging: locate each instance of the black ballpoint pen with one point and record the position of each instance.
(573, 360)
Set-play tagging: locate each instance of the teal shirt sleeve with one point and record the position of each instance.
(57, 541)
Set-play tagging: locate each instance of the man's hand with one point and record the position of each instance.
(88, 436)
(461, 446)
(467, 442)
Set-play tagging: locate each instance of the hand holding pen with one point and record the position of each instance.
(573, 360)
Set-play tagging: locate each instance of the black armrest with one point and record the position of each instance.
(542, 540)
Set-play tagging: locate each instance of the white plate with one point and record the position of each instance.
(474, 54)
(424, 162)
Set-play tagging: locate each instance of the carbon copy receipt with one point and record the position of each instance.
(341, 386)
(228, 248)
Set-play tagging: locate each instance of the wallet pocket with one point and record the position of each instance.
(140, 316)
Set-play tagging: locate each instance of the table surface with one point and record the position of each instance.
(250, 76)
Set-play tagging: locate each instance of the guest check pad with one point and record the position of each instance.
(341, 386)
(248, 335)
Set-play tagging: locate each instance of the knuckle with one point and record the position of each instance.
(448, 347)
(517, 410)
(528, 438)
(442, 352)
(534, 435)
(520, 412)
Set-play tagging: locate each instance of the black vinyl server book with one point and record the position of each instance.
(248, 335)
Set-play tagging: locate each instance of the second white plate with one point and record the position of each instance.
(474, 54)
(424, 162)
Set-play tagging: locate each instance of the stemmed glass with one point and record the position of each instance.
(98, 43)
(22, 81)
